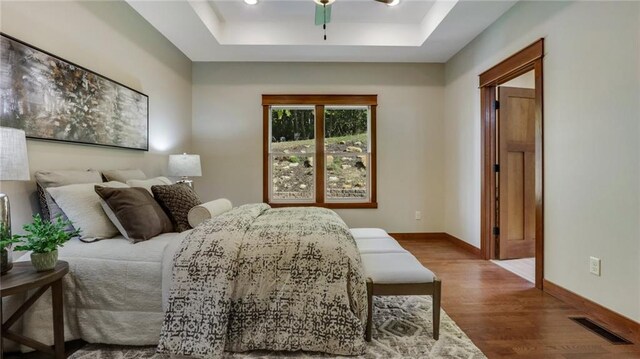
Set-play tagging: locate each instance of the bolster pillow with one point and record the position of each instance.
(201, 213)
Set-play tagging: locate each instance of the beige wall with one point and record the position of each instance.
(113, 40)
(526, 81)
(591, 141)
(227, 132)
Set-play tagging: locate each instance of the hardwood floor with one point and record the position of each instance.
(503, 314)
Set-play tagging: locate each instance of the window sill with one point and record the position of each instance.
(326, 205)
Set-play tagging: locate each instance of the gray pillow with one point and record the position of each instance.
(49, 210)
(123, 175)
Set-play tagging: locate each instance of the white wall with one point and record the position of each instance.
(227, 132)
(591, 140)
(112, 39)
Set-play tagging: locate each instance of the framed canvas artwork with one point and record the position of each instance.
(53, 99)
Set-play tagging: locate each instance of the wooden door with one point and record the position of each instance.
(516, 173)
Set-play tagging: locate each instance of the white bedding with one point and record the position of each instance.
(113, 292)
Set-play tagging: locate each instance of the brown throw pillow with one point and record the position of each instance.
(134, 212)
(176, 199)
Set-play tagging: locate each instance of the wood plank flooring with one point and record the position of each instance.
(503, 314)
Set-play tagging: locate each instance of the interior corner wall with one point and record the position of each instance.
(110, 38)
(591, 140)
(227, 132)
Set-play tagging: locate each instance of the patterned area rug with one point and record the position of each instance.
(401, 329)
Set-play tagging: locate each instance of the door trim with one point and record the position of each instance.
(527, 59)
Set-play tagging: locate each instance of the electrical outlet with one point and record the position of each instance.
(594, 266)
(418, 215)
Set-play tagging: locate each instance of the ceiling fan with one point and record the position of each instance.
(323, 11)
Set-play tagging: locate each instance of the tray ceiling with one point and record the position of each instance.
(284, 30)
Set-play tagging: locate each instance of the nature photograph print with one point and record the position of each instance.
(52, 99)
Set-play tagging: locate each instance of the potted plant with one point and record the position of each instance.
(43, 238)
(6, 240)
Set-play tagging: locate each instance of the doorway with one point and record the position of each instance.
(515, 177)
(512, 188)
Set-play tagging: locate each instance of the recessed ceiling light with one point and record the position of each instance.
(250, 2)
(394, 3)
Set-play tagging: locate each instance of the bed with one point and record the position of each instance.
(113, 292)
(260, 278)
(257, 278)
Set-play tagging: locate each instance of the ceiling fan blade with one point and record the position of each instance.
(323, 14)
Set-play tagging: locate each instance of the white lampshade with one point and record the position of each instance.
(184, 165)
(14, 164)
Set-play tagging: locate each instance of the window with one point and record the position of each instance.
(319, 150)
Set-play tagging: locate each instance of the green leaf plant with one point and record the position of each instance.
(5, 238)
(44, 236)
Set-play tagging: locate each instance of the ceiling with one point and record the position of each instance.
(284, 30)
(345, 11)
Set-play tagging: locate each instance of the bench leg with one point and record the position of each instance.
(367, 334)
(436, 308)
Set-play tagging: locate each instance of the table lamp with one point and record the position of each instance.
(14, 166)
(185, 166)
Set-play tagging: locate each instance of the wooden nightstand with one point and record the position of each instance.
(23, 277)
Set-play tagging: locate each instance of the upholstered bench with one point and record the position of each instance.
(364, 233)
(375, 240)
(379, 245)
(391, 271)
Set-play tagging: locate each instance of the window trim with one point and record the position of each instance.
(320, 101)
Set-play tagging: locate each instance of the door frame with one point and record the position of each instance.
(525, 60)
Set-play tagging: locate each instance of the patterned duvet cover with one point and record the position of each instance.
(271, 279)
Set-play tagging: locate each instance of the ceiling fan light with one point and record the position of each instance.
(393, 3)
(324, 2)
(250, 2)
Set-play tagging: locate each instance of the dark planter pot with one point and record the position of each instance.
(6, 262)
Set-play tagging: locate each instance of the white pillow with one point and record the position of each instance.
(81, 204)
(147, 183)
(123, 175)
(201, 213)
